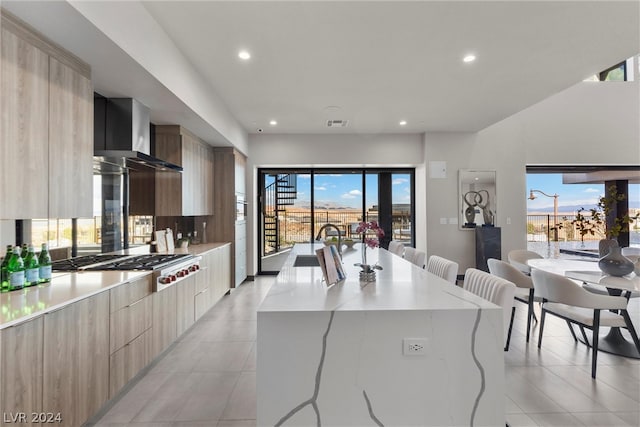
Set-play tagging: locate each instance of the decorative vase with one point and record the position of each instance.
(604, 245)
(368, 272)
(615, 264)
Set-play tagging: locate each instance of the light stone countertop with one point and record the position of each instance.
(64, 289)
(68, 287)
(399, 286)
(192, 249)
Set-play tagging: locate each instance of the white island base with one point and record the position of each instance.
(334, 356)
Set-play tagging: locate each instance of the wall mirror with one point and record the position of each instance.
(477, 198)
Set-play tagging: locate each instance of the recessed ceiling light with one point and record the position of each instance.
(273, 123)
(469, 58)
(243, 54)
(403, 122)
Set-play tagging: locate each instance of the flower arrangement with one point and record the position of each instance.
(368, 273)
(364, 227)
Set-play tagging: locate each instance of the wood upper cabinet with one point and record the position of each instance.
(46, 127)
(24, 77)
(71, 142)
(21, 368)
(76, 365)
(189, 193)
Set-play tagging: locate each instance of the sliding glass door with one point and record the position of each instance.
(296, 203)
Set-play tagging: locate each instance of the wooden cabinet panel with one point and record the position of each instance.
(71, 142)
(129, 293)
(222, 280)
(202, 302)
(24, 81)
(185, 291)
(76, 366)
(229, 167)
(164, 330)
(189, 193)
(21, 368)
(168, 190)
(190, 176)
(125, 363)
(129, 322)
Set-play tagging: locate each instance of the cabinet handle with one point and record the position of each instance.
(134, 303)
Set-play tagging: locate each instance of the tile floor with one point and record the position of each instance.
(208, 377)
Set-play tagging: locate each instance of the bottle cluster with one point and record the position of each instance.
(24, 268)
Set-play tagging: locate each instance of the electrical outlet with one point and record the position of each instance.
(414, 346)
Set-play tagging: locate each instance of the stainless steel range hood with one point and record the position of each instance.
(122, 137)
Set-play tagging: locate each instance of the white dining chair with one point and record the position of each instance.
(567, 300)
(524, 289)
(519, 257)
(396, 247)
(495, 289)
(443, 267)
(415, 256)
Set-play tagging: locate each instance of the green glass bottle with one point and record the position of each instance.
(44, 259)
(25, 251)
(31, 268)
(15, 268)
(4, 275)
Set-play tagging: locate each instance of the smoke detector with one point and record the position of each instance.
(337, 123)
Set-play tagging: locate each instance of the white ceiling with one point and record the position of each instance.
(383, 61)
(372, 62)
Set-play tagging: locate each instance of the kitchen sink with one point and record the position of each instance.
(306, 261)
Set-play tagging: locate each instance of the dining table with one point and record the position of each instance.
(588, 272)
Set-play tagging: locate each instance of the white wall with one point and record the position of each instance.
(591, 122)
(290, 150)
(588, 124)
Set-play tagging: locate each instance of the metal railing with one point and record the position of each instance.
(294, 226)
(543, 227)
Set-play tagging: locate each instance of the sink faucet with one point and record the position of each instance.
(339, 236)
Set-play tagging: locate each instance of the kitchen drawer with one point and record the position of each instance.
(125, 363)
(129, 293)
(202, 303)
(129, 322)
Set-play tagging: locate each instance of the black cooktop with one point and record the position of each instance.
(102, 262)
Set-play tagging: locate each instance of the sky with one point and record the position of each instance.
(569, 195)
(345, 190)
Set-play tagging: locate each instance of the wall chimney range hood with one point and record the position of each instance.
(122, 137)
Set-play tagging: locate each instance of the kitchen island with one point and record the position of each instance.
(407, 349)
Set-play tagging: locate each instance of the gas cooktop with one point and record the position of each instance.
(118, 262)
(78, 263)
(142, 262)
